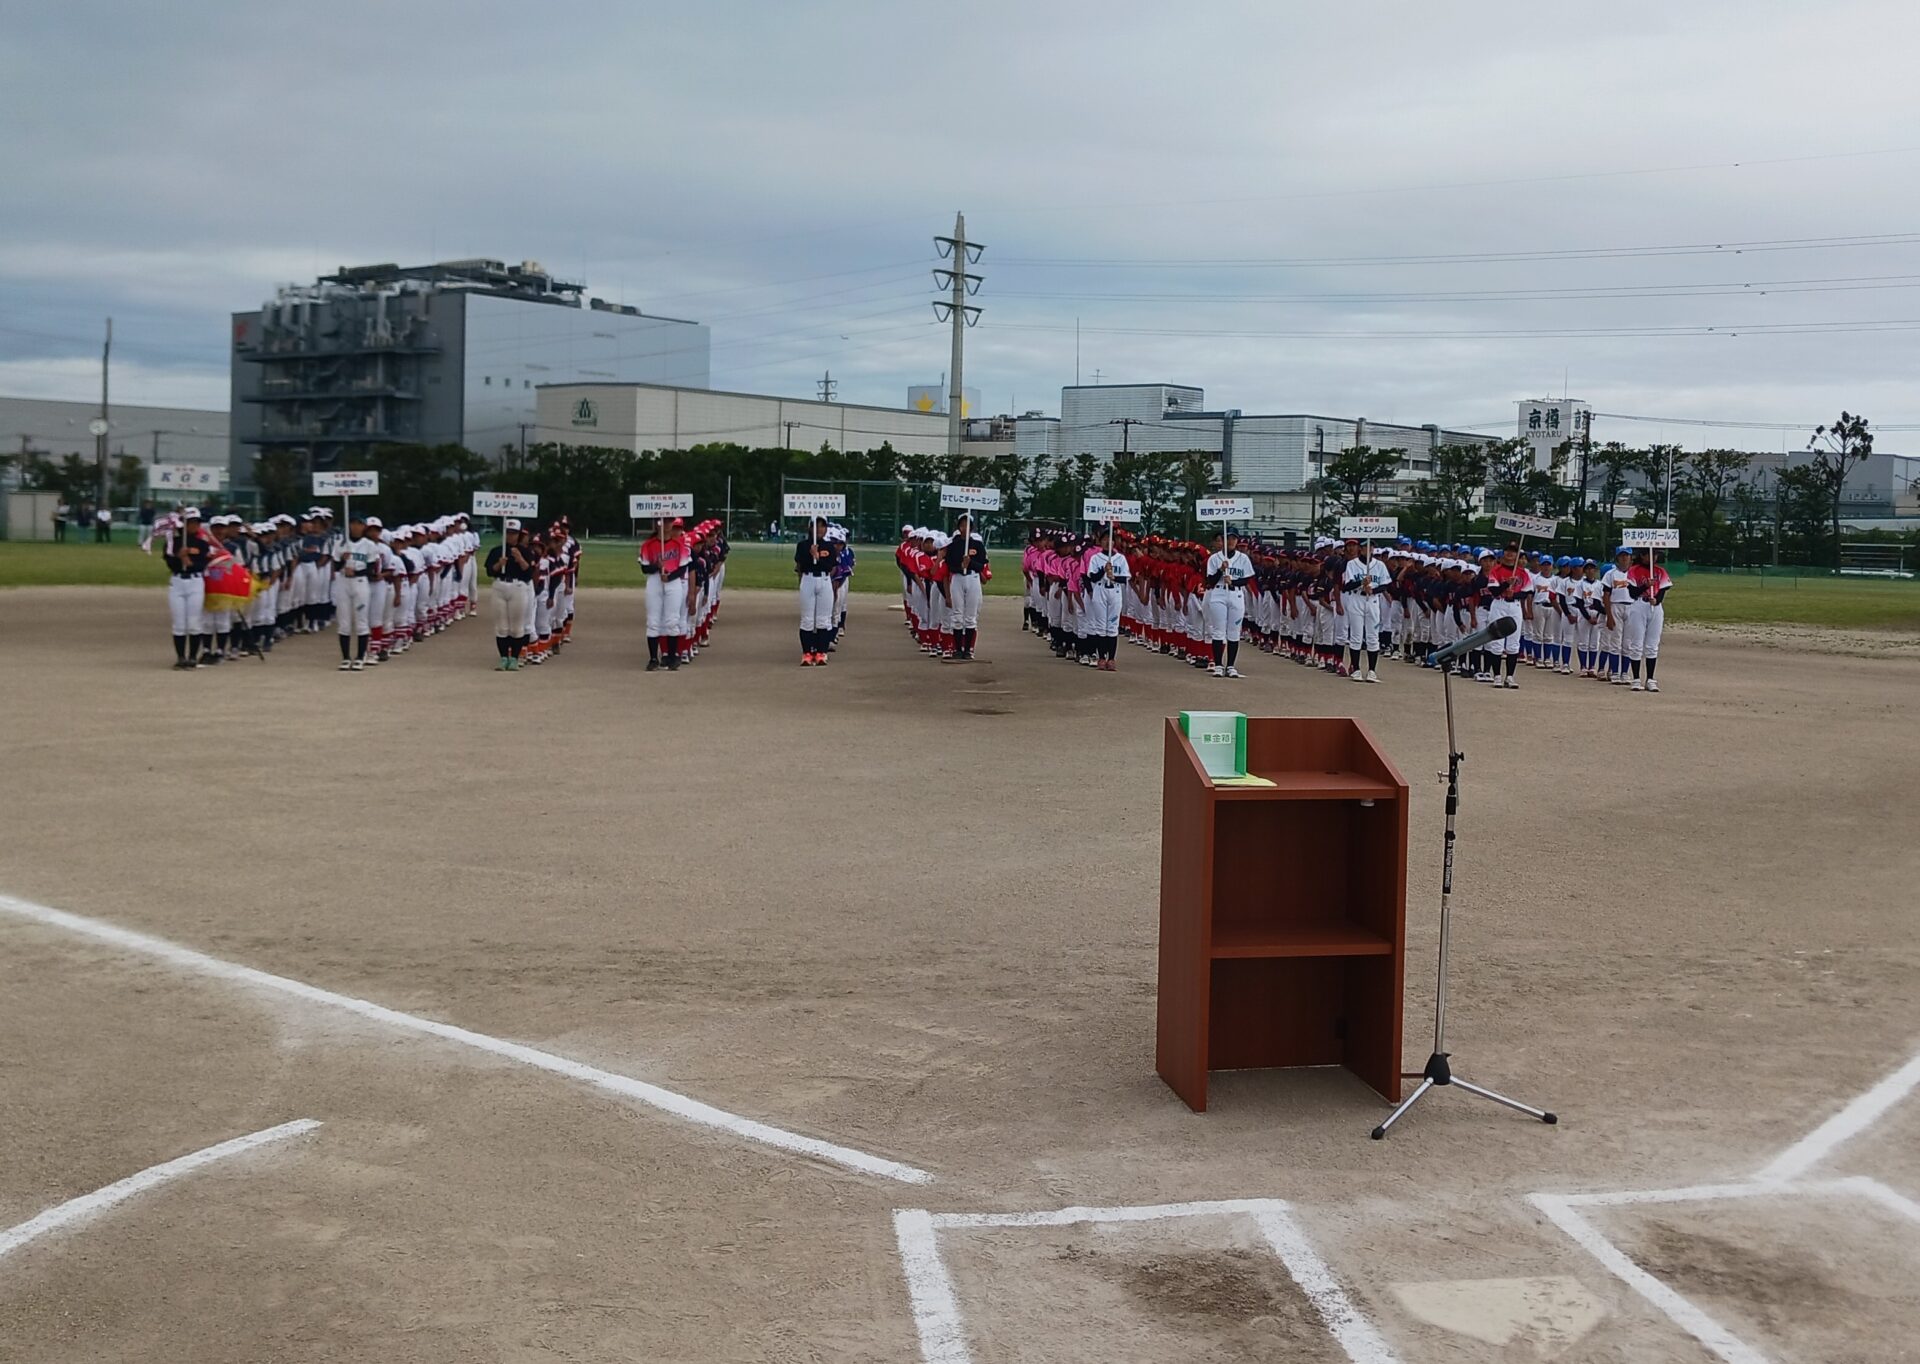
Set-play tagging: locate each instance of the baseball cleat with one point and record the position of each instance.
(1652, 685)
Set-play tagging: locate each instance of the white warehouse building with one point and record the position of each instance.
(642, 417)
(1268, 457)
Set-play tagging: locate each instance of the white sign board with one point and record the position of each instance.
(1369, 527)
(653, 506)
(185, 477)
(1109, 509)
(969, 499)
(1541, 527)
(1548, 423)
(1653, 537)
(347, 483)
(813, 504)
(506, 504)
(1223, 509)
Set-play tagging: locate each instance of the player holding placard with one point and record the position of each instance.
(1646, 616)
(1361, 580)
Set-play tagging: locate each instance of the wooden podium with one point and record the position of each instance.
(1283, 908)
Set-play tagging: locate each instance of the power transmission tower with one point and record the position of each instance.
(826, 384)
(957, 310)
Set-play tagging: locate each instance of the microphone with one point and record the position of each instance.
(1498, 628)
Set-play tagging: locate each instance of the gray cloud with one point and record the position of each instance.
(735, 162)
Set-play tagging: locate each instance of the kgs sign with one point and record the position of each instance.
(585, 413)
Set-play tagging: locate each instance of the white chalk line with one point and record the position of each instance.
(1357, 1336)
(1860, 1114)
(1679, 1309)
(653, 1096)
(936, 1306)
(87, 1205)
(1780, 1176)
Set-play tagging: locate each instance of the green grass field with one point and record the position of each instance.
(1708, 598)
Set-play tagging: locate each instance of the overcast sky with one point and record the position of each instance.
(1198, 184)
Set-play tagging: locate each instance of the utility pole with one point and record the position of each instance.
(789, 435)
(1126, 425)
(1580, 505)
(825, 383)
(100, 436)
(523, 443)
(957, 310)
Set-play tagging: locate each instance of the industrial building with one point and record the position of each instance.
(52, 429)
(1268, 457)
(645, 416)
(433, 354)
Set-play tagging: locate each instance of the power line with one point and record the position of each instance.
(1729, 289)
(1481, 257)
(1723, 329)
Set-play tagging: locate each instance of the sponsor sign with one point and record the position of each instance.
(652, 506)
(813, 504)
(506, 504)
(1541, 527)
(347, 483)
(185, 477)
(1109, 509)
(969, 499)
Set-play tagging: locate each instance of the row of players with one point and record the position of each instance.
(685, 570)
(237, 588)
(1340, 606)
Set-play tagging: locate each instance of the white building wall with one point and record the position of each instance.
(650, 417)
(1036, 437)
(1088, 414)
(513, 346)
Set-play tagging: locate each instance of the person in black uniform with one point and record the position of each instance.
(186, 552)
(966, 556)
(813, 560)
(512, 575)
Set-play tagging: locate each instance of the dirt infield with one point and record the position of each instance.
(909, 910)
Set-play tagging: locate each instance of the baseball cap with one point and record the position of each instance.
(190, 514)
(513, 525)
(375, 523)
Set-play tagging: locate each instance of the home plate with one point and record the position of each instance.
(1550, 1314)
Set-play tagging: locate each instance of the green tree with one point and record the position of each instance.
(1198, 478)
(1837, 449)
(1704, 481)
(1510, 475)
(1615, 464)
(1459, 481)
(1802, 506)
(281, 476)
(1352, 478)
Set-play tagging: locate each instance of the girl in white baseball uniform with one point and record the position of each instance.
(1227, 574)
(1361, 579)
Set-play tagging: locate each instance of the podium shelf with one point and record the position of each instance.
(1327, 938)
(1340, 785)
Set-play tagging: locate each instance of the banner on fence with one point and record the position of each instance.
(185, 477)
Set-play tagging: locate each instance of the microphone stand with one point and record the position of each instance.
(1439, 1070)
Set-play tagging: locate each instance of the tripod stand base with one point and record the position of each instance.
(1439, 1072)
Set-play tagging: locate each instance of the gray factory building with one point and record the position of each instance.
(433, 354)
